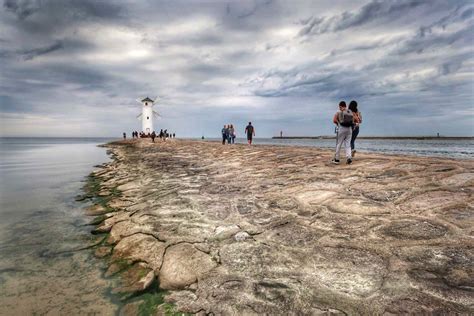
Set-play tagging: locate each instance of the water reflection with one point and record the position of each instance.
(41, 227)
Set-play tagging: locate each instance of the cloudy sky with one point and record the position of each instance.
(75, 67)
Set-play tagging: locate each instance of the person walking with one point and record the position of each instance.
(153, 135)
(250, 131)
(232, 134)
(357, 121)
(231, 137)
(225, 132)
(344, 120)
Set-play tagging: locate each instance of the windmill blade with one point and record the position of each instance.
(157, 114)
(139, 115)
(155, 99)
(139, 100)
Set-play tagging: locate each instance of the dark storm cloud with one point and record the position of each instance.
(32, 53)
(22, 9)
(66, 8)
(375, 10)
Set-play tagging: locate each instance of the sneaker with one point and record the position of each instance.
(335, 161)
(349, 161)
(353, 153)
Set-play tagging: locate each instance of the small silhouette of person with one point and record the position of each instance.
(124, 135)
(153, 135)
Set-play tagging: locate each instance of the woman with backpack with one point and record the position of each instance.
(357, 121)
(344, 121)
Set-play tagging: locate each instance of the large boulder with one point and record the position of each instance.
(182, 265)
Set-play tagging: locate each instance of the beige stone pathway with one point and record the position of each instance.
(278, 230)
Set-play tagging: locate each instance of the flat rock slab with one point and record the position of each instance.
(240, 229)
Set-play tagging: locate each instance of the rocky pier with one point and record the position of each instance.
(242, 230)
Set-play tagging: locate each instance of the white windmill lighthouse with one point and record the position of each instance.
(147, 114)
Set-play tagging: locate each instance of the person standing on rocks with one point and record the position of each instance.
(344, 120)
(232, 134)
(225, 132)
(250, 131)
(357, 122)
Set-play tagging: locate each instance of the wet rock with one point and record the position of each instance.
(96, 210)
(103, 252)
(131, 309)
(136, 278)
(141, 247)
(182, 265)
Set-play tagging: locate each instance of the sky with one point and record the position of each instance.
(76, 67)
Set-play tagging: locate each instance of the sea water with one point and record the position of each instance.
(43, 228)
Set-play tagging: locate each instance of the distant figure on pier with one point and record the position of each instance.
(250, 131)
(281, 134)
(124, 135)
(153, 135)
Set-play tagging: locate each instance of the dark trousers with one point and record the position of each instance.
(224, 138)
(355, 132)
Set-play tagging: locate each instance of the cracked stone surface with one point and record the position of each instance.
(277, 230)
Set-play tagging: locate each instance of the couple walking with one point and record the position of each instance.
(347, 122)
(228, 134)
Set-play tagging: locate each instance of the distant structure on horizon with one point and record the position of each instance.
(147, 114)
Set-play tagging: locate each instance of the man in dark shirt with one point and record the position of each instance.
(250, 131)
(225, 133)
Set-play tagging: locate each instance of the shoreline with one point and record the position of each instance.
(332, 149)
(242, 229)
(384, 137)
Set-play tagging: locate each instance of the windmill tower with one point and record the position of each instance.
(147, 114)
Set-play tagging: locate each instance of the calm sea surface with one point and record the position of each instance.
(42, 227)
(429, 148)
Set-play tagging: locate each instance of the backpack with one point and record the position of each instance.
(346, 118)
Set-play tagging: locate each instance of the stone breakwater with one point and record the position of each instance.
(279, 230)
